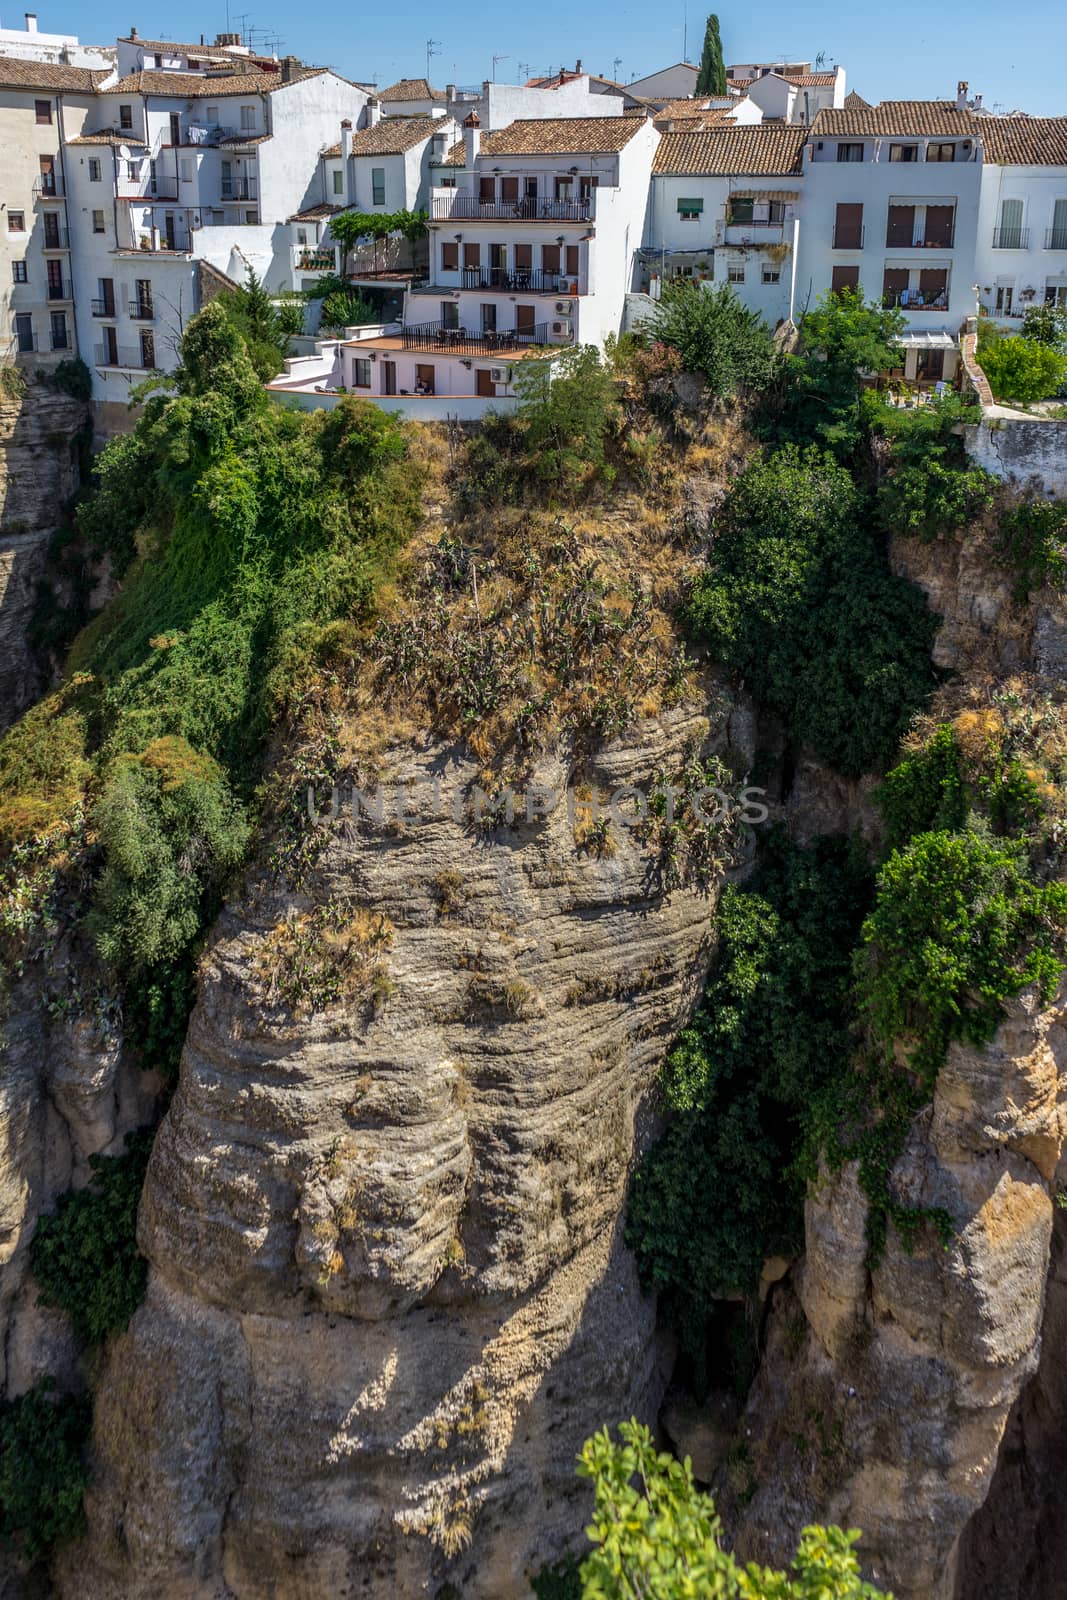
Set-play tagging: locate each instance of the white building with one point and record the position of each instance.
(1022, 226)
(670, 83)
(788, 91)
(60, 49)
(175, 171)
(891, 197)
(533, 248)
(724, 208)
(411, 97)
(702, 112)
(42, 105)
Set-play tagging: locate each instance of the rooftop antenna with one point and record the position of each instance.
(615, 65)
(242, 23)
(433, 48)
(495, 60)
(523, 68)
(685, 31)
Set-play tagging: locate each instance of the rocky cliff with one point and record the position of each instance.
(389, 1296)
(39, 472)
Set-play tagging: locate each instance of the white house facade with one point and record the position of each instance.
(725, 208)
(1022, 226)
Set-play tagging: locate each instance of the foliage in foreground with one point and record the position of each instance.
(715, 335)
(798, 598)
(84, 1254)
(657, 1537)
(931, 488)
(264, 327)
(843, 337)
(1022, 369)
(43, 1475)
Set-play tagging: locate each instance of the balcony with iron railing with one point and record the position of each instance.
(142, 310)
(119, 357)
(55, 238)
(59, 290)
(913, 300)
(1011, 238)
(453, 206)
(48, 186)
(1056, 239)
(61, 340)
(240, 189)
(848, 238)
(436, 337)
(102, 308)
(944, 239)
(519, 280)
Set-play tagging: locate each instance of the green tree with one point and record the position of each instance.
(568, 408)
(1046, 323)
(797, 597)
(842, 337)
(345, 308)
(265, 328)
(657, 1537)
(711, 79)
(1022, 369)
(715, 335)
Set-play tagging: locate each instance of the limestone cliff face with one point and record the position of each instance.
(38, 475)
(884, 1395)
(389, 1296)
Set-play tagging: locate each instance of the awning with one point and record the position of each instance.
(926, 339)
(765, 194)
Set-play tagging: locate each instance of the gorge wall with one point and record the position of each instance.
(39, 472)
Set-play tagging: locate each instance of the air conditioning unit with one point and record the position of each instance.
(563, 307)
(564, 327)
(500, 374)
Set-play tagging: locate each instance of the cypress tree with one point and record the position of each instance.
(711, 79)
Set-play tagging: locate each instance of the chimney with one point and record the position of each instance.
(346, 162)
(450, 91)
(374, 112)
(977, 102)
(31, 22)
(472, 138)
(346, 139)
(578, 65)
(289, 66)
(133, 33)
(961, 95)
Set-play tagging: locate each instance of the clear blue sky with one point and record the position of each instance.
(912, 49)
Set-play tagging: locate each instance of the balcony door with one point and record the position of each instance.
(845, 278)
(894, 284)
(484, 382)
(933, 285)
(900, 227)
(498, 265)
(489, 317)
(55, 280)
(389, 377)
(939, 224)
(848, 226)
(48, 174)
(1011, 225)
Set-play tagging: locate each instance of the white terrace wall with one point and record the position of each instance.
(1029, 454)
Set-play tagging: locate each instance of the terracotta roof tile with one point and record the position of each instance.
(187, 86)
(563, 136)
(1024, 141)
(729, 152)
(317, 213)
(457, 156)
(113, 136)
(856, 102)
(391, 137)
(812, 80)
(410, 89)
(18, 74)
(938, 118)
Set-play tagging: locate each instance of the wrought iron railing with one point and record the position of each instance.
(102, 308)
(469, 208)
(1011, 238)
(48, 186)
(1056, 239)
(434, 336)
(520, 280)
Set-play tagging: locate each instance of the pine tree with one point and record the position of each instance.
(711, 79)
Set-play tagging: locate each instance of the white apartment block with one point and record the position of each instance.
(533, 246)
(789, 91)
(724, 208)
(60, 49)
(42, 106)
(1021, 257)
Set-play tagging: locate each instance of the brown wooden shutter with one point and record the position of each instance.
(450, 258)
(939, 220)
(848, 227)
(933, 281)
(572, 260)
(900, 226)
(509, 189)
(894, 282)
(486, 188)
(526, 318)
(523, 257)
(472, 255)
(550, 257)
(844, 278)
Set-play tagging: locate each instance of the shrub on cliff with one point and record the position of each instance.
(931, 487)
(42, 1469)
(1020, 369)
(657, 1537)
(842, 338)
(84, 1254)
(798, 599)
(729, 345)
